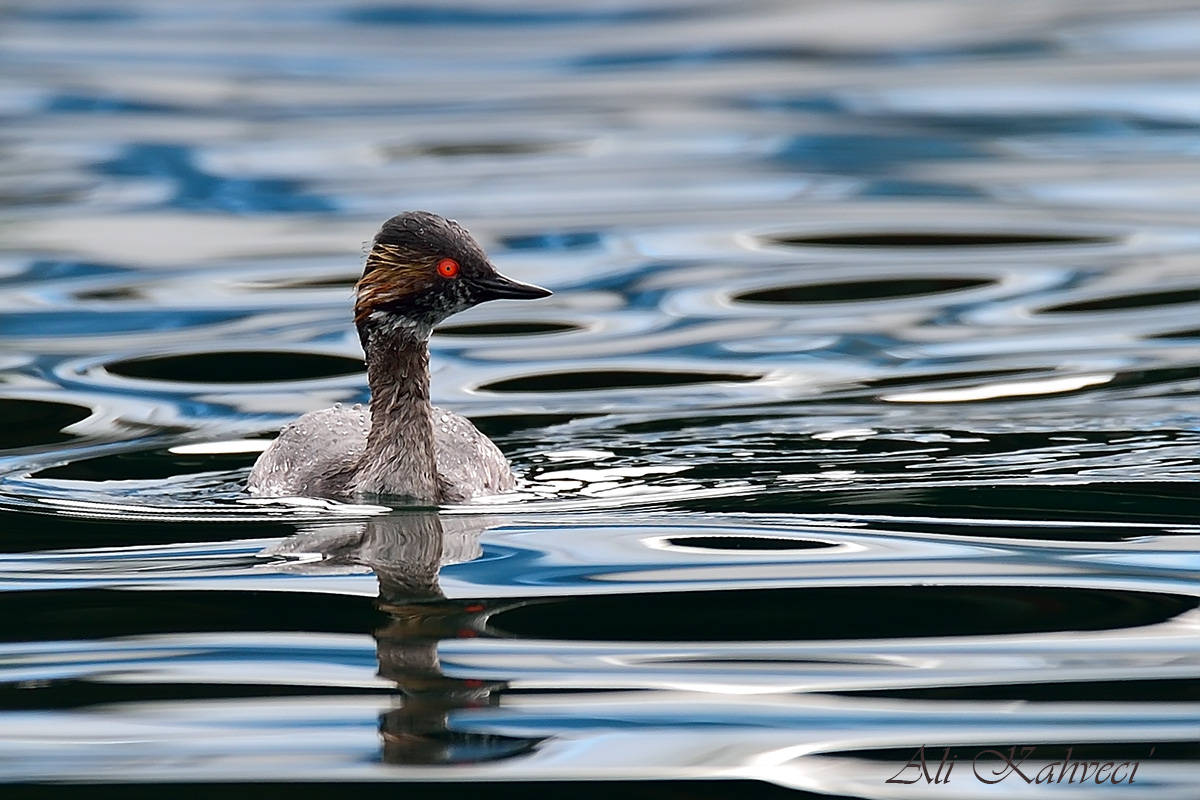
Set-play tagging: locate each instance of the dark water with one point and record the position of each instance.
(865, 415)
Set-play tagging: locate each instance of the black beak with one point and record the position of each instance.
(498, 287)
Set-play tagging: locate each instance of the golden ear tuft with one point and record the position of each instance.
(390, 275)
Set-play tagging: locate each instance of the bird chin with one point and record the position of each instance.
(391, 323)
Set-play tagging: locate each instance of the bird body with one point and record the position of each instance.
(318, 455)
(421, 269)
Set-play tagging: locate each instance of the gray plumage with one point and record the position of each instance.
(318, 456)
(421, 269)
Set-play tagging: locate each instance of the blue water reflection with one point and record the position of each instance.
(863, 417)
(193, 188)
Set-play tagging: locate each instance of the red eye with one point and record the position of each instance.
(448, 268)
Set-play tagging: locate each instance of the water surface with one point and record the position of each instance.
(864, 416)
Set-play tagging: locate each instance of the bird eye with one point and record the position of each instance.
(448, 268)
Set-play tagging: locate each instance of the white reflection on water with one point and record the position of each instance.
(1011, 389)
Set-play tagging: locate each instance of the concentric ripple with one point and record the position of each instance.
(26, 422)
(939, 239)
(238, 366)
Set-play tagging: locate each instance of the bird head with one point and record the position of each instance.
(422, 268)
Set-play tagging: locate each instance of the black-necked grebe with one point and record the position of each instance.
(421, 269)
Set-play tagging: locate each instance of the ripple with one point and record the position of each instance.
(1128, 301)
(236, 367)
(464, 16)
(735, 543)
(100, 103)
(866, 612)
(945, 377)
(1088, 506)
(514, 328)
(592, 380)
(75, 16)
(850, 291)
(145, 465)
(80, 322)
(486, 149)
(97, 613)
(24, 423)
(194, 188)
(122, 293)
(333, 282)
(556, 242)
(871, 153)
(938, 239)
(1124, 691)
(1005, 390)
(1188, 333)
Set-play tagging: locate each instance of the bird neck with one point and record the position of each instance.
(399, 460)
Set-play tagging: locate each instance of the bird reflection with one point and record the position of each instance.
(406, 550)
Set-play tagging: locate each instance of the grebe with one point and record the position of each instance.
(421, 269)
